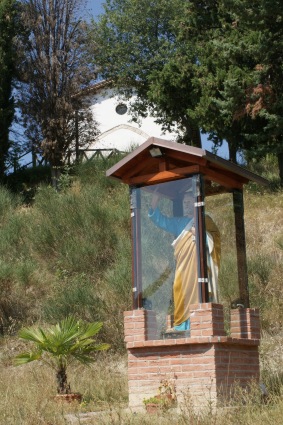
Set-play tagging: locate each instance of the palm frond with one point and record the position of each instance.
(33, 335)
(59, 344)
(102, 347)
(91, 329)
(68, 338)
(24, 358)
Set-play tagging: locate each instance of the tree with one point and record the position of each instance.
(239, 76)
(8, 31)
(58, 345)
(160, 48)
(199, 63)
(261, 24)
(135, 44)
(54, 71)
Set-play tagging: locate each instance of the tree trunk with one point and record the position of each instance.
(55, 175)
(192, 136)
(2, 167)
(280, 166)
(4, 146)
(57, 165)
(63, 386)
(232, 153)
(34, 157)
(77, 137)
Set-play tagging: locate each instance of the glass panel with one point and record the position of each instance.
(165, 255)
(168, 252)
(220, 208)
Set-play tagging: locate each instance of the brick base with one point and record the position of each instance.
(204, 367)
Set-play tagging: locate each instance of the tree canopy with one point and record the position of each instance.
(212, 65)
(53, 72)
(239, 78)
(135, 44)
(8, 30)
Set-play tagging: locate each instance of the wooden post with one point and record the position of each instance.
(199, 218)
(238, 203)
(136, 247)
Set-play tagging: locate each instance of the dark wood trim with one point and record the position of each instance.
(164, 164)
(194, 159)
(137, 168)
(223, 178)
(200, 235)
(136, 248)
(238, 203)
(164, 176)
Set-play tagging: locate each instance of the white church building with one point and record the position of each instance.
(116, 128)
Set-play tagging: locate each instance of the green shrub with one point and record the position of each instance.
(8, 202)
(72, 250)
(78, 296)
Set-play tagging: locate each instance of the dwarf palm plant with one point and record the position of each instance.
(60, 344)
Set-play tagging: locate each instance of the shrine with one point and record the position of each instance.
(191, 323)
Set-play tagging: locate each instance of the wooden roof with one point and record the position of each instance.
(178, 161)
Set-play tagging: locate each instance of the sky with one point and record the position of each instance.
(95, 7)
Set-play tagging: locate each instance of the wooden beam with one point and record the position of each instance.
(217, 190)
(163, 164)
(163, 176)
(187, 158)
(223, 179)
(238, 203)
(139, 166)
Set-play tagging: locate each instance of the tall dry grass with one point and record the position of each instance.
(70, 252)
(264, 236)
(27, 392)
(27, 398)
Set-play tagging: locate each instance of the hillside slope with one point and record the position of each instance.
(70, 252)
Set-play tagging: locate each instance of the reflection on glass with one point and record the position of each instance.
(220, 207)
(157, 263)
(169, 255)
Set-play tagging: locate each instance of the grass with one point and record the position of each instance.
(27, 397)
(27, 392)
(70, 251)
(264, 224)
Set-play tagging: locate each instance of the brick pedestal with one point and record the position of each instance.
(203, 367)
(245, 323)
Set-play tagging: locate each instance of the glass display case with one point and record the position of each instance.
(177, 244)
(188, 233)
